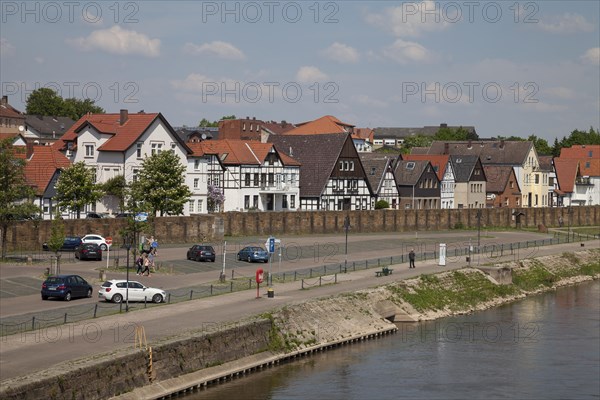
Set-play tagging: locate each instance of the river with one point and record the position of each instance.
(543, 347)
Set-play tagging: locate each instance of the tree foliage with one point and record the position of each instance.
(216, 198)
(116, 186)
(460, 133)
(160, 186)
(57, 234)
(15, 194)
(45, 101)
(416, 141)
(206, 123)
(76, 188)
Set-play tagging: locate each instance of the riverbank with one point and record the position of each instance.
(219, 352)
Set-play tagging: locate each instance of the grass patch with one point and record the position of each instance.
(533, 278)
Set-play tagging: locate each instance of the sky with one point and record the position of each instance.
(505, 67)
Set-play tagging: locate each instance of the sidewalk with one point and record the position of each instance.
(33, 351)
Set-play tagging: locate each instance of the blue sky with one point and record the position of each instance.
(508, 68)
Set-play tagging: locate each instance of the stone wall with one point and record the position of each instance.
(212, 228)
(121, 373)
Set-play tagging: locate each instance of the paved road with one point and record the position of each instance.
(43, 348)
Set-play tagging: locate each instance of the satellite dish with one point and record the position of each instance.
(203, 136)
(21, 128)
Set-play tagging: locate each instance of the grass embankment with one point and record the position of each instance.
(466, 289)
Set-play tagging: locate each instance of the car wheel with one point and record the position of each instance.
(198, 258)
(213, 260)
(157, 298)
(89, 293)
(117, 298)
(44, 297)
(103, 247)
(68, 296)
(239, 258)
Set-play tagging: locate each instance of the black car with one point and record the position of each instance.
(70, 243)
(88, 251)
(200, 252)
(66, 287)
(124, 215)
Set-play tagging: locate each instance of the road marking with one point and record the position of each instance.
(21, 284)
(11, 293)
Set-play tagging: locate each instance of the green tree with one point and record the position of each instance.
(116, 186)
(76, 188)
(160, 186)
(46, 101)
(15, 194)
(381, 204)
(57, 238)
(460, 133)
(416, 141)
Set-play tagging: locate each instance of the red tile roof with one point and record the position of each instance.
(437, 161)
(364, 133)
(566, 172)
(590, 167)
(42, 165)
(123, 136)
(237, 152)
(581, 152)
(323, 125)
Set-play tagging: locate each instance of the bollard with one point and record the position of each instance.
(191, 293)
(33, 323)
(231, 287)
(270, 293)
(65, 318)
(95, 310)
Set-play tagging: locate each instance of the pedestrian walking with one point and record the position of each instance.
(146, 265)
(560, 221)
(140, 264)
(411, 258)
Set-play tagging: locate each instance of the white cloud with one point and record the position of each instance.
(216, 48)
(6, 48)
(310, 74)
(118, 41)
(560, 92)
(366, 100)
(404, 52)
(566, 23)
(592, 56)
(341, 53)
(412, 19)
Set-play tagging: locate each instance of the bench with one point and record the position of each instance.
(384, 272)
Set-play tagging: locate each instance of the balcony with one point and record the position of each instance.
(583, 181)
(274, 188)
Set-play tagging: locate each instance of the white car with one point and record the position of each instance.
(116, 291)
(99, 240)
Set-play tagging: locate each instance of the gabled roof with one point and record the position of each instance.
(49, 126)
(364, 133)
(123, 135)
(376, 165)
(463, 167)
(490, 151)
(409, 172)
(318, 155)
(497, 178)
(581, 152)
(324, 125)
(566, 173)
(8, 111)
(590, 167)
(42, 165)
(239, 152)
(546, 163)
(438, 161)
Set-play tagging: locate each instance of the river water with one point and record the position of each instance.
(543, 347)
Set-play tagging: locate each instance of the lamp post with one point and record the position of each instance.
(346, 228)
(127, 244)
(478, 236)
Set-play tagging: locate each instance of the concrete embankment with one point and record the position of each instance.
(218, 353)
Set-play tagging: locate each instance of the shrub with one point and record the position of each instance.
(381, 204)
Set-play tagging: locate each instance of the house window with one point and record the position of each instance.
(156, 148)
(351, 165)
(135, 174)
(293, 201)
(537, 179)
(536, 199)
(284, 202)
(192, 205)
(477, 171)
(512, 185)
(587, 164)
(255, 179)
(138, 150)
(89, 150)
(255, 201)
(196, 165)
(199, 206)
(247, 179)
(196, 183)
(271, 178)
(246, 202)
(341, 165)
(94, 175)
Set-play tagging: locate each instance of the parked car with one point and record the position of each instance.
(70, 243)
(99, 240)
(253, 253)
(97, 215)
(124, 215)
(66, 287)
(116, 291)
(200, 252)
(88, 251)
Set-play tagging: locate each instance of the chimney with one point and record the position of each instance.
(291, 152)
(470, 145)
(29, 149)
(4, 100)
(283, 123)
(124, 117)
(443, 125)
(446, 148)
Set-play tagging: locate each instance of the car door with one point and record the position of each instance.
(82, 286)
(136, 291)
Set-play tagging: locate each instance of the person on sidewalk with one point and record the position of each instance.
(147, 263)
(140, 264)
(411, 258)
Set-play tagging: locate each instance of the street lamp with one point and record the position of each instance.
(127, 244)
(346, 228)
(478, 236)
